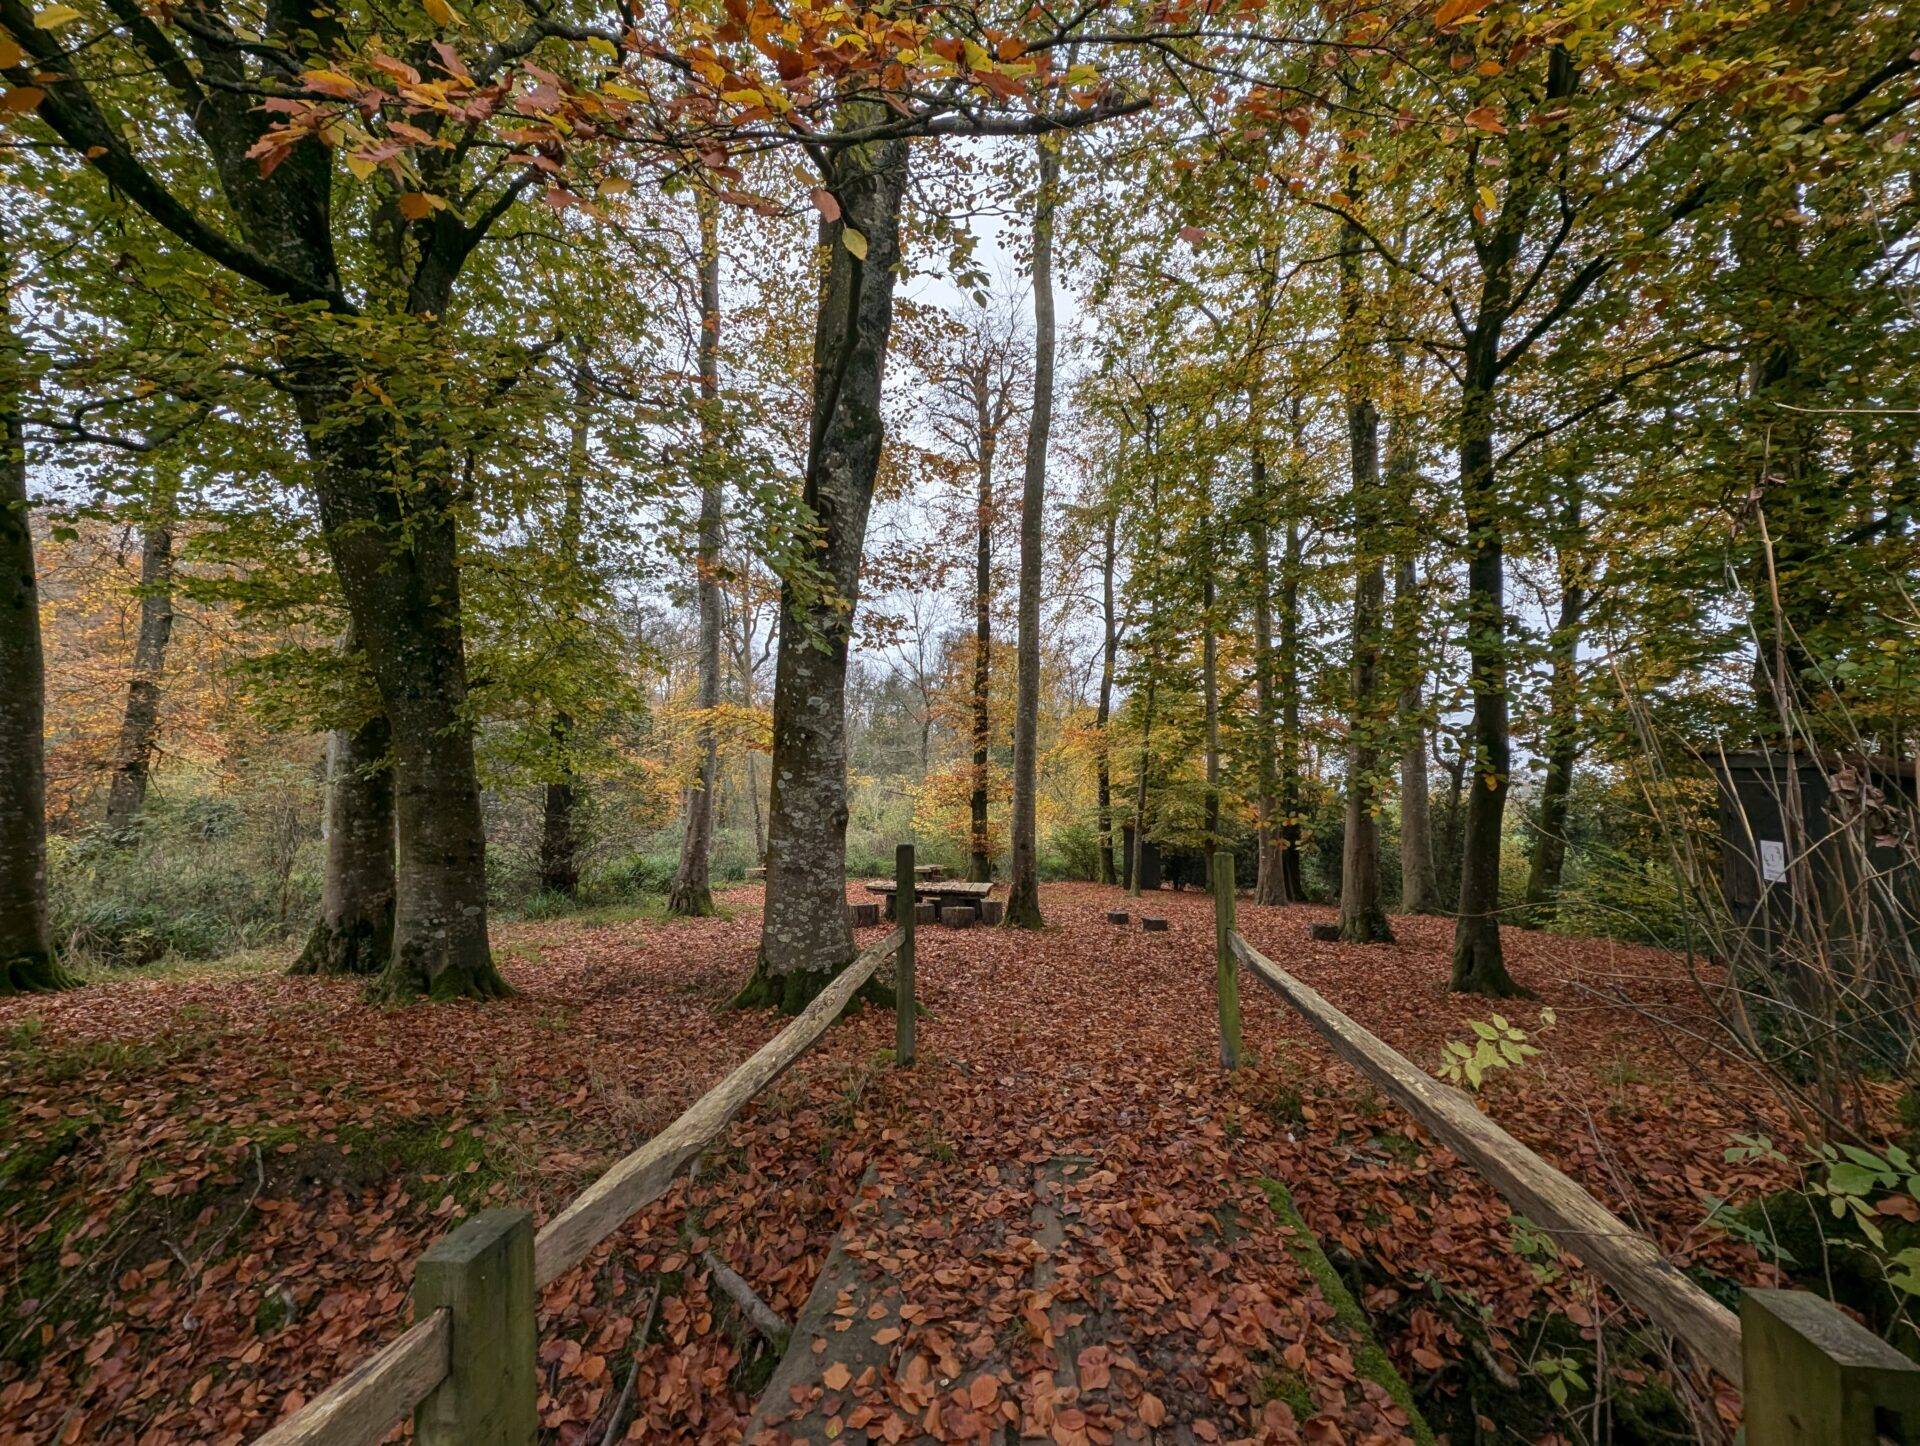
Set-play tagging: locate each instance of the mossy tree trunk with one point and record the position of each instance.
(354, 934)
(805, 936)
(26, 945)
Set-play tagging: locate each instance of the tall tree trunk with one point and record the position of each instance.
(26, 942)
(692, 892)
(559, 836)
(805, 937)
(1419, 884)
(1563, 731)
(559, 829)
(1134, 870)
(1292, 801)
(1210, 706)
(979, 864)
(399, 569)
(140, 722)
(1269, 885)
(1023, 885)
(1103, 716)
(1363, 919)
(354, 934)
(1478, 964)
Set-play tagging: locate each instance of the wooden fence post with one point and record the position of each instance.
(905, 910)
(1817, 1377)
(1227, 963)
(482, 1275)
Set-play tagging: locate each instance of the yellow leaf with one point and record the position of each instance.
(854, 242)
(615, 186)
(359, 165)
(415, 206)
(442, 13)
(1488, 199)
(22, 99)
(10, 52)
(54, 16)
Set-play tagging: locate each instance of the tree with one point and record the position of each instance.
(1363, 920)
(981, 381)
(1023, 885)
(140, 723)
(691, 893)
(26, 946)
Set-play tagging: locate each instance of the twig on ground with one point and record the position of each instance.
(761, 1316)
(618, 1423)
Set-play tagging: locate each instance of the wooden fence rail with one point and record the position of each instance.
(1812, 1373)
(458, 1370)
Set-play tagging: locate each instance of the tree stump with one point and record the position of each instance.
(992, 911)
(1152, 924)
(1325, 933)
(958, 916)
(1119, 916)
(863, 916)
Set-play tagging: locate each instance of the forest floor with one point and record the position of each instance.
(214, 1182)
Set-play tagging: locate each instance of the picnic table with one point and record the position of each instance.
(938, 890)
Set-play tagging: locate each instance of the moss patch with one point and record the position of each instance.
(1369, 1357)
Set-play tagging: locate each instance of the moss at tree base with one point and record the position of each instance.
(35, 973)
(408, 977)
(359, 950)
(690, 901)
(792, 991)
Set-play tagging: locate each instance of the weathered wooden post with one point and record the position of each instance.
(1817, 1377)
(482, 1274)
(903, 1005)
(1228, 965)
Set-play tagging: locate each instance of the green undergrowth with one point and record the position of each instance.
(1369, 1358)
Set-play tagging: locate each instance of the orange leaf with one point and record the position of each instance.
(1454, 11)
(837, 1376)
(1486, 118)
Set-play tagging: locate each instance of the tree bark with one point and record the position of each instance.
(1023, 884)
(140, 722)
(1134, 870)
(692, 892)
(1210, 704)
(1103, 714)
(1478, 964)
(27, 964)
(1363, 919)
(1419, 884)
(354, 934)
(1563, 727)
(979, 864)
(805, 937)
(1292, 803)
(1269, 885)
